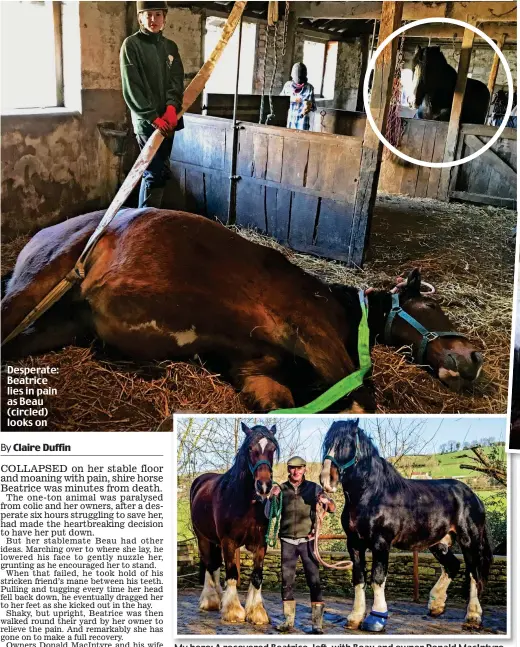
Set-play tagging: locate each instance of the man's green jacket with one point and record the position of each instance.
(153, 77)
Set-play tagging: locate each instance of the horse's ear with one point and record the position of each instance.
(413, 282)
(273, 430)
(246, 429)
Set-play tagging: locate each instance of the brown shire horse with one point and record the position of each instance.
(168, 284)
(227, 512)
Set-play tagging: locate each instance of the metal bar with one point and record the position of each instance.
(232, 214)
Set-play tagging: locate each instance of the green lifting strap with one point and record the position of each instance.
(275, 512)
(349, 383)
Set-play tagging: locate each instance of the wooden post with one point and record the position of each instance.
(494, 68)
(372, 149)
(456, 110)
(415, 576)
(237, 564)
(58, 53)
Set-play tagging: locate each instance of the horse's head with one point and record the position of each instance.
(262, 447)
(426, 63)
(340, 451)
(418, 321)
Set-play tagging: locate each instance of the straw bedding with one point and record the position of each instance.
(463, 251)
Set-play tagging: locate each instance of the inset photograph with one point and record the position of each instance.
(346, 526)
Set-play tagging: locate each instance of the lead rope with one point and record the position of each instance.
(275, 512)
(342, 565)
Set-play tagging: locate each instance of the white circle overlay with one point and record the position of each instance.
(371, 67)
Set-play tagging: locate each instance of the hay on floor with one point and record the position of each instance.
(461, 249)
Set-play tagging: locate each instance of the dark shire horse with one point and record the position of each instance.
(227, 512)
(164, 285)
(384, 510)
(434, 86)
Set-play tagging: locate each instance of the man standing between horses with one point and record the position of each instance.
(153, 85)
(297, 522)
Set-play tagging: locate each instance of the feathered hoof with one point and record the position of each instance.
(375, 622)
(353, 622)
(436, 611)
(234, 613)
(472, 621)
(209, 602)
(257, 615)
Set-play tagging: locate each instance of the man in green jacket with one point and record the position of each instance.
(153, 85)
(297, 522)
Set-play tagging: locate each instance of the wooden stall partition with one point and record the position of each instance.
(200, 163)
(248, 107)
(299, 187)
(490, 178)
(424, 140)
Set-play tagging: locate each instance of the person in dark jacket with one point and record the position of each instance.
(153, 85)
(297, 522)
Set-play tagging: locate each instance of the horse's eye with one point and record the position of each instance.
(430, 304)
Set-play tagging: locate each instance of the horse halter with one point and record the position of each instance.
(427, 335)
(254, 467)
(341, 467)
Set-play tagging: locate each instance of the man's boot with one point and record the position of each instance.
(289, 611)
(317, 611)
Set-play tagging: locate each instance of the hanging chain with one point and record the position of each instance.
(266, 55)
(271, 114)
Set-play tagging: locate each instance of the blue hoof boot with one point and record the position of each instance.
(375, 621)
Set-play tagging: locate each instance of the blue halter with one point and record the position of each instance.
(341, 467)
(427, 336)
(254, 467)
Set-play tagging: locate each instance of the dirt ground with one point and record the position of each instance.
(462, 249)
(406, 618)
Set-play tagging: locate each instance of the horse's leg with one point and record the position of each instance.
(356, 549)
(450, 566)
(232, 610)
(471, 553)
(255, 612)
(211, 559)
(377, 618)
(260, 389)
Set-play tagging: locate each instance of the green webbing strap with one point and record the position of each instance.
(275, 512)
(349, 383)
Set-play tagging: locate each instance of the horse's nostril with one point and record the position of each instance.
(451, 362)
(477, 358)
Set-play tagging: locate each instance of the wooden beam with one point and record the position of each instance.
(482, 11)
(288, 60)
(372, 149)
(448, 32)
(494, 67)
(58, 53)
(456, 110)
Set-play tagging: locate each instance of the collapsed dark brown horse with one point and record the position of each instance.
(227, 512)
(168, 284)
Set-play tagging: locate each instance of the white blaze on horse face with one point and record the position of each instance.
(438, 594)
(232, 610)
(359, 608)
(474, 611)
(211, 593)
(325, 476)
(255, 612)
(263, 443)
(379, 597)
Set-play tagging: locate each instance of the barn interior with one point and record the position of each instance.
(365, 217)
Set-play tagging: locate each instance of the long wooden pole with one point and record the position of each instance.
(494, 67)
(372, 150)
(456, 111)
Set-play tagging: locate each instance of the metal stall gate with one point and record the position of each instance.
(298, 187)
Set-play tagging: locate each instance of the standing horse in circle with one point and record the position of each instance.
(227, 512)
(384, 510)
(434, 83)
(164, 285)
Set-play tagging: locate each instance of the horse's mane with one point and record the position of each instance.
(239, 471)
(383, 474)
